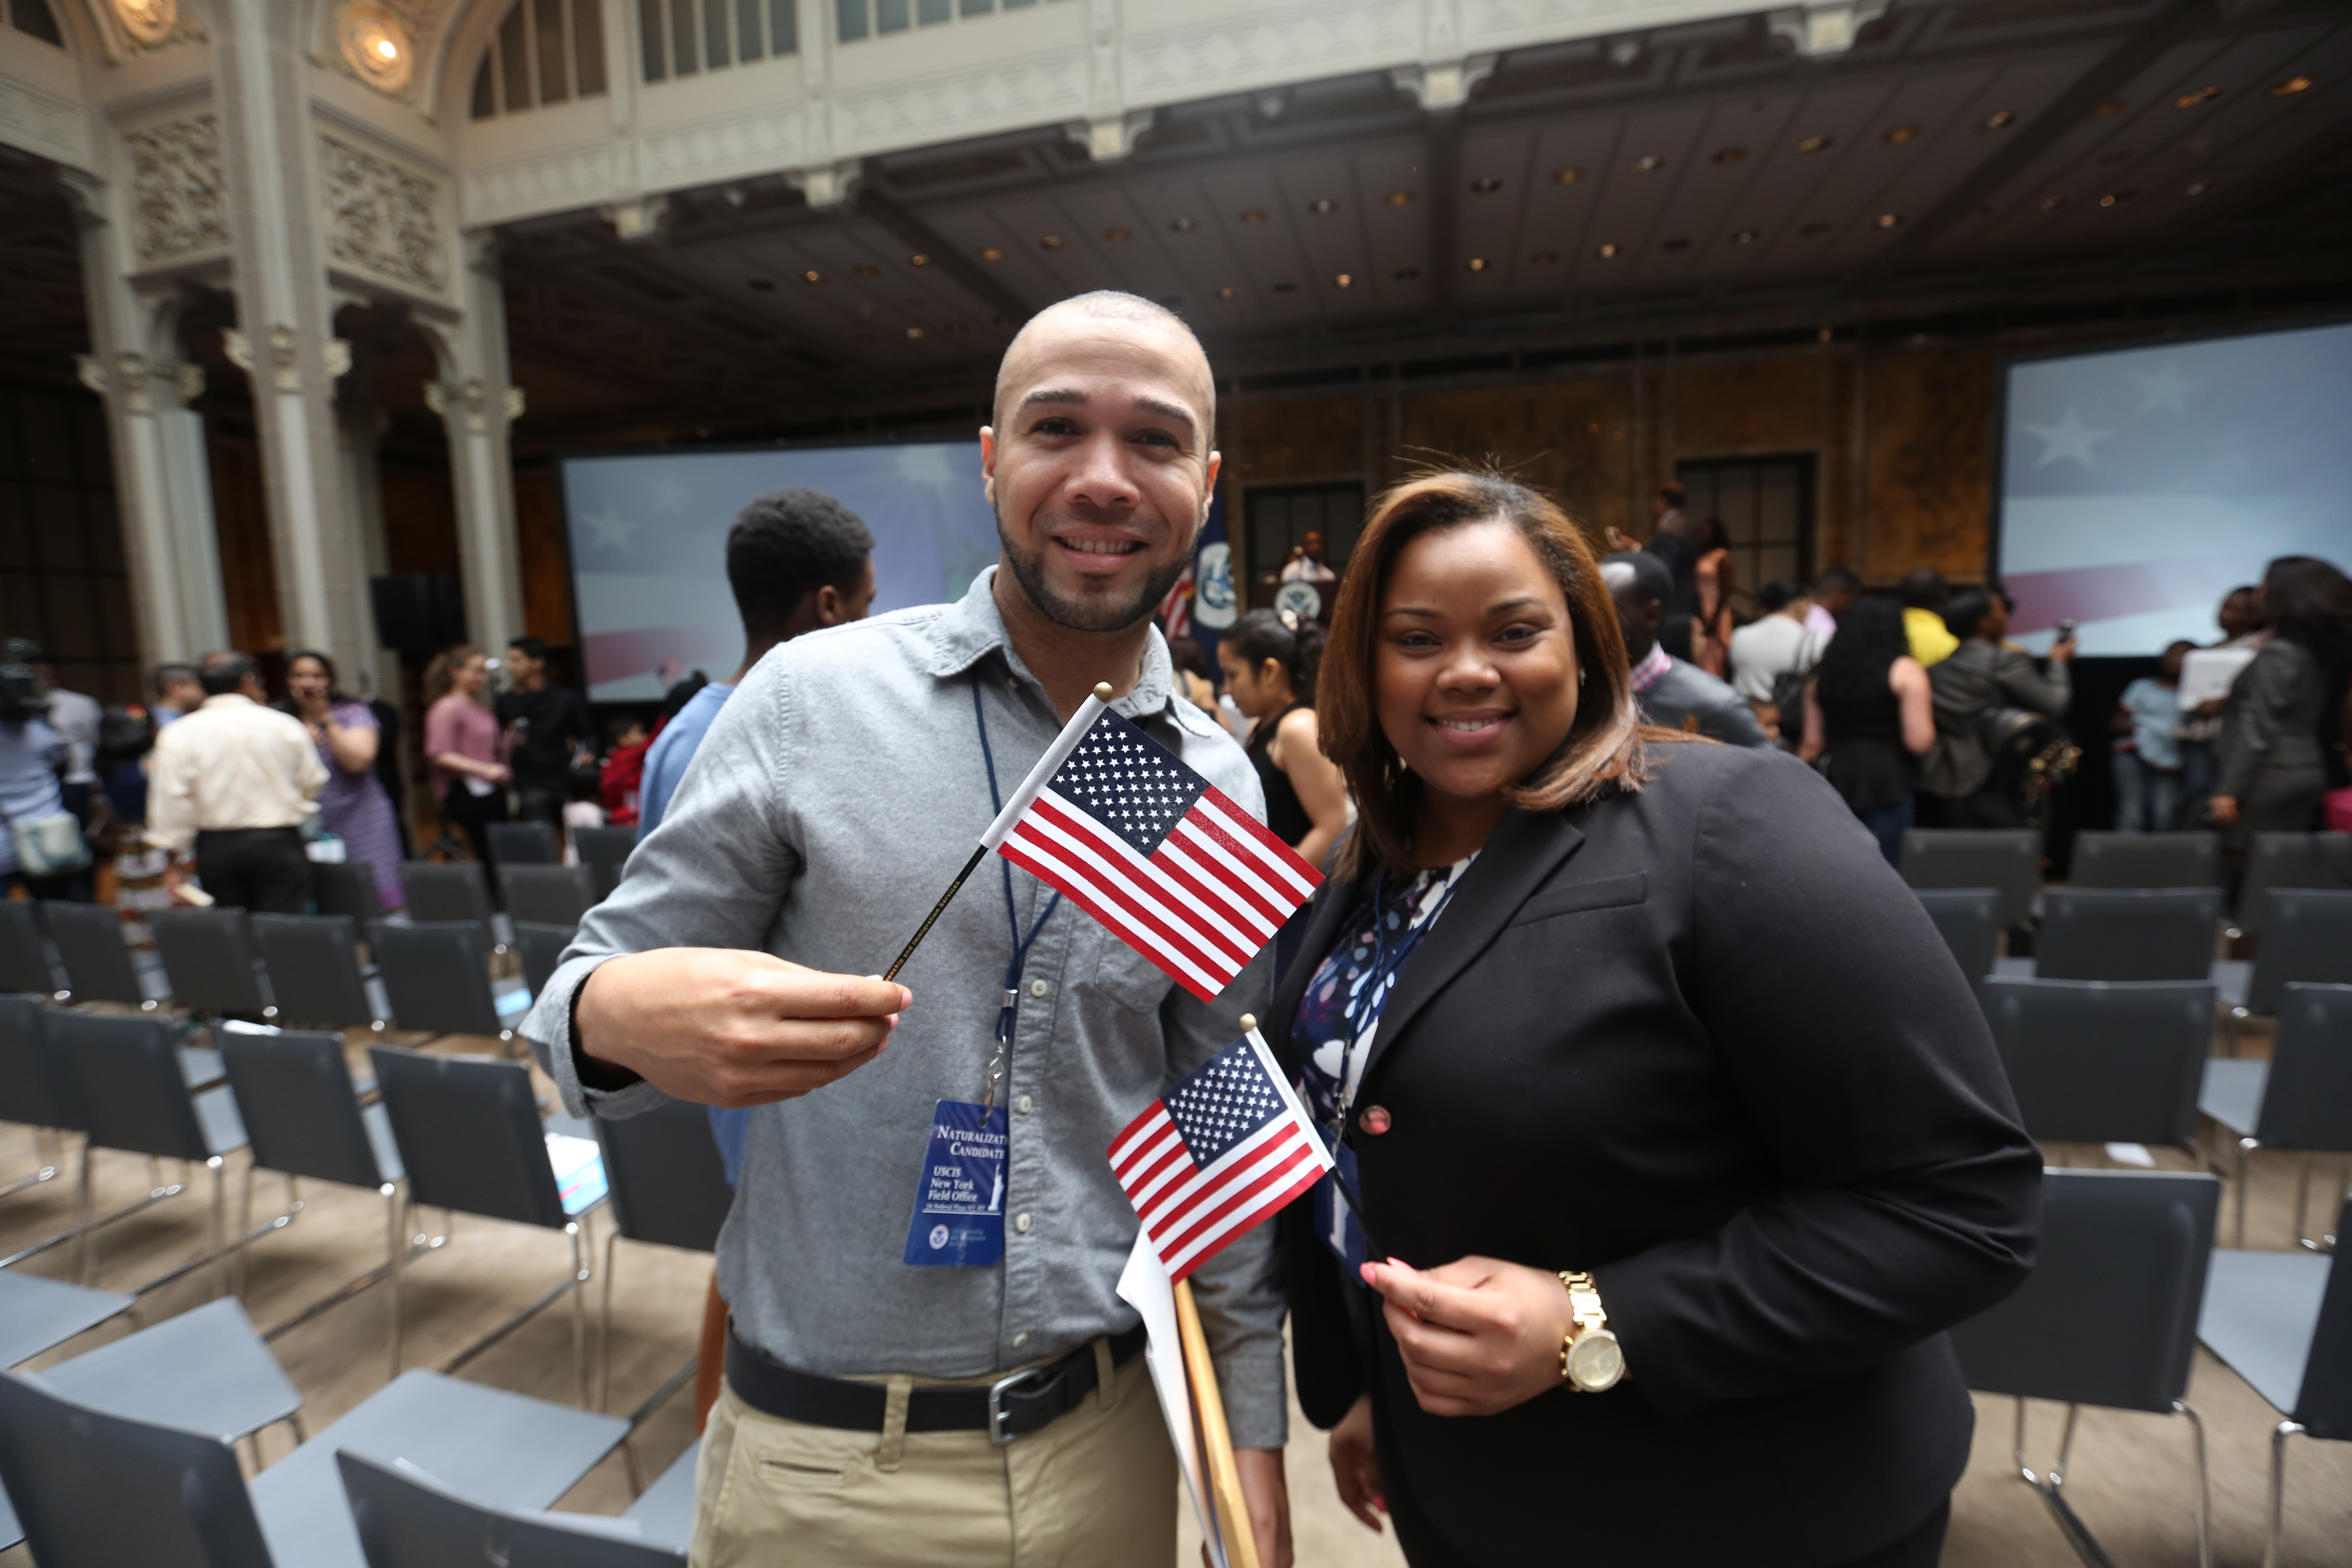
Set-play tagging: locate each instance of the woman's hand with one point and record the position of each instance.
(2225, 808)
(1356, 1465)
(1477, 1335)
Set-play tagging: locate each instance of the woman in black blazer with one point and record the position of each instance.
(1657, 1068)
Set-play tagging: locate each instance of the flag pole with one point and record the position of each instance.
(1225, 1477)
(1056, 754)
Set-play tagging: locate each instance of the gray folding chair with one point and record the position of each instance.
(100, 1490)
(204, 1371)
(2108, 1317)
(208, 956)
(98, 963)
(670, 1188)
(347, 888)
(2300, 1099)
(546, 895)
(408, 1519)
(2282, 1321)
(471, 1141)
(38, 1314)
(33, 1092)
(543, 951)
(314, 970)
(2127, 934)
(303, 1116)
(24, 963)
(2306, 937)
(2008, 860)
(525, 844)
(2102, 1062)
(606, 852)
(444, 891)
(1968, 920)
(437, 979)
(2147, 860)
(136, 1092)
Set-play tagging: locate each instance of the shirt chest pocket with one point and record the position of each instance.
(1125, 975)
(1582, 898)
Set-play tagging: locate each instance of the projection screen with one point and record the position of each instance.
(648, 534)
(2139, 485)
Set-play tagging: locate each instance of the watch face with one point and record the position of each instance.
(1595, 1362)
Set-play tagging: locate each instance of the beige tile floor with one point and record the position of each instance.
(2132, 1479)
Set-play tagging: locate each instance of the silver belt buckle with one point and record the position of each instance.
(996, 1412)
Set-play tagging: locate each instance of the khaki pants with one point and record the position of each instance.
(1096, 1488)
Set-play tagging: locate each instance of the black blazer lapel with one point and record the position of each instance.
(1333, 901)
(1525, 851)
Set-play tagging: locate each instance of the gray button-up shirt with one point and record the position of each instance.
(836, 793)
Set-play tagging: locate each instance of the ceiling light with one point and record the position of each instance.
(1052, 241)
(1345, 280)
(1999, 119)
(1184, 225)
(1322, 204)
(2116, 198)
(918, 259)
(1824, 335)
(2050, 204)
(1477, 264)
(385, 49)
(914, 332)
(812, 276)
(1544, 258)
(1816, 144)
(2192, 100)
(1119, 236)
(1486, 185)
(1726, 156)
(1900, 134)
(1399, 198)
(1608, 251)
(1567, 176)
(1649, 163)
(1254, 214)
(1747, 237)
(2106, 108)
(2292, 85)
(761, 285)
(1888, 220)
(1229, 292)
(992, 253)
(2198, 188)
(1679, 242)
(866, 270)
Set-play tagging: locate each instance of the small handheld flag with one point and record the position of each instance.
(1229, 1146)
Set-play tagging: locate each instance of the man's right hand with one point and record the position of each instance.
(726, 1027)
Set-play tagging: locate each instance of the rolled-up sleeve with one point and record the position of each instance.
(1908, 1197)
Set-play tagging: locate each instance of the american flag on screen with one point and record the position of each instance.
(1176, 609)
(1226, 1148)
(1153, 850)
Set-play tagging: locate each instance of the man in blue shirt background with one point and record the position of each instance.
(798, 561)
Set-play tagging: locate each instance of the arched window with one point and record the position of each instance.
(679, 37)
(546, 51)
(33, 16)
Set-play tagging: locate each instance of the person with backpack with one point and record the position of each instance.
(1772, 656)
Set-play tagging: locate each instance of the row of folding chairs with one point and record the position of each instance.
(458, 1133)
(2127, 1282)
(126, 1454)
(2011, 862)
(603, 851)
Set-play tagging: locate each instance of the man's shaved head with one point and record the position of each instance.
(1106, 305)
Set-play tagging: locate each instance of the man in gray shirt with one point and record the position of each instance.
(832, 798)
(1673, 694)
(1982, 675)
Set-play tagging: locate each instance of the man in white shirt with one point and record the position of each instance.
(230, 787)
(1776, 645)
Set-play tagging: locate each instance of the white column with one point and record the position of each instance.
(284, 337)
(478, 402)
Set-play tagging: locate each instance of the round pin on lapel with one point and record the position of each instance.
(1374, 1121)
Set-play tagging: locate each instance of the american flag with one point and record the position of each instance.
(1226, 1148)
(1153, 850)
(1176, 609)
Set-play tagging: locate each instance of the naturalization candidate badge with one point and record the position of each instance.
(959, 1220)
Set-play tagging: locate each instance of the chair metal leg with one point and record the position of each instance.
(2246, 1147)
(2326, 1240)
(2271, 1526)
(82, 1216)
(395, 1249)
(582, 1251)
(2050, 1488)
(2204, 1487)
(605, 1329)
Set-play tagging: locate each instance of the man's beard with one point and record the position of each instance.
(1104, 614)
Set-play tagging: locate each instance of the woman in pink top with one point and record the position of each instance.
(463, 742)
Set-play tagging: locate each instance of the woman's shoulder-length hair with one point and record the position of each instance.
(1604, 750)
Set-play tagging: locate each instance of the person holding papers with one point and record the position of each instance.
(928, 1359)
(1650, 1268)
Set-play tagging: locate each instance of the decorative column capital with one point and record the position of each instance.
(639, 219)
(1817, 29)
(129, 379)
(829, 184)
(285, 356)
(1111, 138)
(468, 402)
(1446, 84)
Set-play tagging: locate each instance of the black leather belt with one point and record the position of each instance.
(1013, 1406)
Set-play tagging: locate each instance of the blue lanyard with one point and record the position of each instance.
(1361, 1013)
(1020, 944)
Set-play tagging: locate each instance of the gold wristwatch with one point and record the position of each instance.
(1590, 1360)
